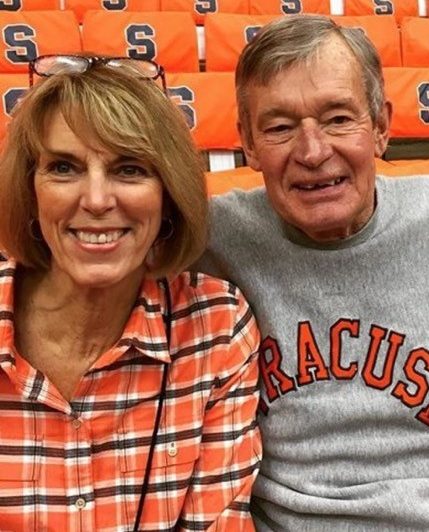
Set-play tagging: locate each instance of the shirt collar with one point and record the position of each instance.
(144, 331)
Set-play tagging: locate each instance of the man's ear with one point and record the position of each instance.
(248, 147)
(382, 128)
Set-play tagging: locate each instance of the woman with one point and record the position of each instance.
(127, 388)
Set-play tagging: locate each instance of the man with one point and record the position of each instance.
(336, 264)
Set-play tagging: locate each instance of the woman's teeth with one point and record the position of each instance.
(98, 238)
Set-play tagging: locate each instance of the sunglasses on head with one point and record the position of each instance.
(52, 64)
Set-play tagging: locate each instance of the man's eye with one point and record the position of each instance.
(340, 119)
(279, 128)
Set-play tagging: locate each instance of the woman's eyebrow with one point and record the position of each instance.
(59, 154)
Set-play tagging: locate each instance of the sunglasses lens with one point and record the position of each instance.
(145, 69)
(51, 65)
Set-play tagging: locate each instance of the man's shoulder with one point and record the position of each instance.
(410, 184)
(237, 201)
(410, 194)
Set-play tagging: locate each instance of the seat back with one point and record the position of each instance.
(286, 7)
(208, 101)
(27, 34)
(397, 8)
(12, 88)
(226, 35)
(28, 5)
(168, 38)
(200, 8)
(408, 89)
(80, 7)
(415, 42)
(382, 31)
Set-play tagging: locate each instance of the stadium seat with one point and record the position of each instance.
(80, 7)
(201, 8)
(12, 88)
(415, 42)
(226, 35)
(24, 5)
(225, 180)
(168, 38)
(383, 32)
(408, 90)
(402, 168)
(208, 101)
(245, 178)
(27, 34)
(398, 8)
(286, 7)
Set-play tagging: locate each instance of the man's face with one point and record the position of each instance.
(314, 140)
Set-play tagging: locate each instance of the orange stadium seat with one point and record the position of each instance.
(383, 32)
(288, 7)
(222, 182)
(168, 38)
(19, 5)
(208, 101)
(408, 90)
(12, 88)
(226, 35)
(415, 42)
(201, 8)
(28, 34)
(80, 7)
(398, 8)
(402, 168)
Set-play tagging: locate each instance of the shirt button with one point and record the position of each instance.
(76, 423)
(80, 503)
(172, 449)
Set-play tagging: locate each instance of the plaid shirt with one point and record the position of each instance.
(79, 465)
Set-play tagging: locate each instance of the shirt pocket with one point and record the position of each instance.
(175, 455)
(20, 462)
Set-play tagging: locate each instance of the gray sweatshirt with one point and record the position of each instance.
(344, 360)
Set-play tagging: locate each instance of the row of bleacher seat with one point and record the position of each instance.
(170, 38)
(208, 101)
(200, 8)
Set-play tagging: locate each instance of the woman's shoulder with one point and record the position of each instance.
(216, 315)
(197, 285)
(218, 303)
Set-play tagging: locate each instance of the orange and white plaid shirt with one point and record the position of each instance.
(79, 465)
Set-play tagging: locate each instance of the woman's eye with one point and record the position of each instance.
(131, 170)
(60, 167)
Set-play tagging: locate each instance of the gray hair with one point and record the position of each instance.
(291, 40)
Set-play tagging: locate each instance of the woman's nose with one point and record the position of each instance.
(97, 194)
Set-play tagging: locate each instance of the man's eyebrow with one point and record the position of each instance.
(273, 112)
(339, 104)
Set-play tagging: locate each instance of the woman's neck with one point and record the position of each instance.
(88, 320)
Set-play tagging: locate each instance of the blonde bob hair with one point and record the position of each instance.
(114, 109)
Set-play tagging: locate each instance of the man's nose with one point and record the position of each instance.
(97, 194)
(312, 146)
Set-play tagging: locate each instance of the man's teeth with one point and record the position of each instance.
(327, 184)
(98, 238)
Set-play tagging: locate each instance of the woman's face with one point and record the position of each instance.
(99, 212)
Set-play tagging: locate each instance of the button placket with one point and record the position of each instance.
(80, 503)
